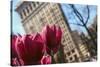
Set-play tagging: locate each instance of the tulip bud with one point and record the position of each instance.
(46, 59)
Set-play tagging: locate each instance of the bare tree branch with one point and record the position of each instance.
(88, 12)
(84, 23)
(77, 13)
(77, 24)
(80, 17)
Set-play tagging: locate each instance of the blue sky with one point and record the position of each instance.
(16, 25)
(67, 11)
(18, 28)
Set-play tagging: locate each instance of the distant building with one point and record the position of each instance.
(93, 30)
(92, 48)
(84, 52)
(35, 15)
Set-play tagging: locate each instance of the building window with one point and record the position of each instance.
(30, 6)
(69, 40)
(24, 12)
(38, 3)
(27, 9)
(63, 40)
(51, 10)
(34, 5)
(31, 28)
(68, 53)
(50, 20)
(76, 58)
(73, 51)
(71, 58)
(41, 19)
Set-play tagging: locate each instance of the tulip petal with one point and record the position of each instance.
(13, 41)
(30, 48)
(46, 59)
(52, 38)
(58, 35)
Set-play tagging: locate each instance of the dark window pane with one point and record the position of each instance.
(30, 6)
(73, 51)
(68, 53)
(24, 12)
(71, 58)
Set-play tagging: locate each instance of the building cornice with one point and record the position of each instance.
(34, 12)
(19, 5)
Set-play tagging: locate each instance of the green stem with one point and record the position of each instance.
(52, 55)
(61, 56)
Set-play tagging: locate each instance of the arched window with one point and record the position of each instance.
(34, 5)
(24, 12)
(27, 9)
(30, 6)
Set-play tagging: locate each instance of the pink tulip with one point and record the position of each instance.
(14, 55)
(17, 62)
(46, 59)
(30, 48)
(13, 51)
(52, 38)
